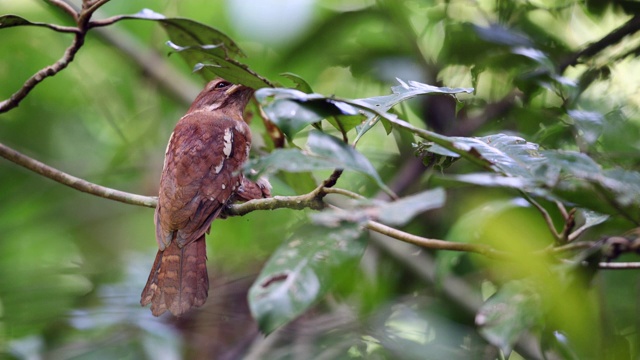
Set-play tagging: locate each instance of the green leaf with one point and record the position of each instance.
(301, 272)
(314, 107)
(204, 48)
(341, 155)
(566, 175)
(508, 155)
(402, 92)
(396, 213)
(292, 110)
(515, 308)
(324, 152)
(7, 21)
(300, 83)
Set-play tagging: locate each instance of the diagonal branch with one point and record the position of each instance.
(66, 8)
(42, 74)
(74, 182)
(628, 28)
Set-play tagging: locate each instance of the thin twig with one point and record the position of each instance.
(332, 179)
(74, 182)
(94, 6)
(628, 28)
(547, 218)
(42, 74)
(66, 8)
(572, 247)
(105, 22)
(563, 210)
(569, 224)
(311, 200)
(433, 243)
(619, 265)
(344, 192)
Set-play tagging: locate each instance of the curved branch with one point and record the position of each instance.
(42, 74)
(66, 8)
(434, 243)
(82, 19)
(74, 182)
(312, 200)
(630, 27)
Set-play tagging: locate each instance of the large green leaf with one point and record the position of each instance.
(302, 109)
(515, 308)
(292, 110)
(402, 92)
(395, 213)
(204, 48)
(567, 175)
(302, 270)
(508, 155)
(325, 152)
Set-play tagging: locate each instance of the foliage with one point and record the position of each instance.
(496, 124)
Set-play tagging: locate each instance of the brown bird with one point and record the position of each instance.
(201, 175)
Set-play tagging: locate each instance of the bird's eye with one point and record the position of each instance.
(222, 85)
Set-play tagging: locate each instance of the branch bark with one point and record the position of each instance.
(630, 27)
(75, 182)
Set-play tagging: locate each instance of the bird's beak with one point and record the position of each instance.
(233, 89)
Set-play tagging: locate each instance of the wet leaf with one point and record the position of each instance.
(317, 107)
(7, 21)
(395, 213)
(300, 83)
(301, 272)
(292, 110)
(324, 152)
(514, 308)
(205, 49)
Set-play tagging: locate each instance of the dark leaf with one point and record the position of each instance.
(292, 110)
(301, 272)
(317, 107)
(7, 21)
(205, 49)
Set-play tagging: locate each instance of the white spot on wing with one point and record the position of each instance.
(224, 186)
(228, 142)
(218, 168)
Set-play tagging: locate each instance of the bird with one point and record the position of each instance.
(201, 175)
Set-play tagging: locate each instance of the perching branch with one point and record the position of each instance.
(74, 182)
(312, 200)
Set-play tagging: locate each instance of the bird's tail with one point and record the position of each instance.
(178, 279)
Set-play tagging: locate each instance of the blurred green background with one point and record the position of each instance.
(72, 265)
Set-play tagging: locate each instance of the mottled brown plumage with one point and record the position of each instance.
(201, 174)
